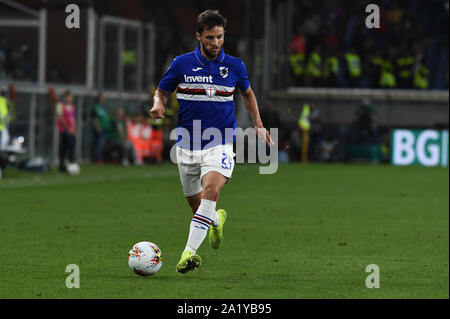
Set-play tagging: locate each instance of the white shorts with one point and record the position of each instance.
(193, 165)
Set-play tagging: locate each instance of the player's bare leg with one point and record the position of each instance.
(212, 184)
(194, 201)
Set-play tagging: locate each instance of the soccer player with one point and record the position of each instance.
(205, 80)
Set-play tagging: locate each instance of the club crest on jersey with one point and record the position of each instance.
(210, 91)
(223, 71)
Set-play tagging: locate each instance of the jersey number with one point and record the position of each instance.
(227, 162)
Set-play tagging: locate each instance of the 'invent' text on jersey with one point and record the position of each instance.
(205, 91)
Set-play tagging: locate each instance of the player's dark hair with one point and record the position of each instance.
(67, 92)
(209, 19)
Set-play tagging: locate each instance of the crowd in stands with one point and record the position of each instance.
(124, 139)
(117, 137)
(311, 139)
(16, 62)
(332, 46)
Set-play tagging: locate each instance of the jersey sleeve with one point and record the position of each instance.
(170, 79)
(243, 84)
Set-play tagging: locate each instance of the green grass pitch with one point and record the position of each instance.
(308, 231)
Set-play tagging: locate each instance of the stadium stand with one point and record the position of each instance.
(296, 53)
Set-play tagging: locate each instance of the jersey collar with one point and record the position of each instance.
(204, 60)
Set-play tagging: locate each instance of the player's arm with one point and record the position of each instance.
(159, 100)
(252, 107)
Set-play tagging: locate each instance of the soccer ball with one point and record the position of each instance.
(145, 258)
(73, 169)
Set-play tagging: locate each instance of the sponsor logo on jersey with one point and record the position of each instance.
(198, 79)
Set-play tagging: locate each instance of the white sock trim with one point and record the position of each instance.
(207, 209)
(205, 216)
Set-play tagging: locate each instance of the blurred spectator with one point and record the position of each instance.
(298, 42)
(365, 129)
(120, 141)
(313, 72)
(7, 114)
(421, 76)
(4, 136)
(331, 70)
(315, 133)
(22, 65)
(394, 14)
(421, 73)
(385, 147)
(352, 68)
(156, 140)
(67, 129)
(331, 41)
(11, 100)
(307, 123)
(405, 69)
(101, 128)
(147, 138)
(297, 70)
(387, 75)
(16, 62)
(312, 27)
(381, 57)
(297, 57)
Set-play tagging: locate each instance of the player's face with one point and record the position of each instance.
(211, 41)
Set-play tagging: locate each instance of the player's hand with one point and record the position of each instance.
(261, 131)
(157, 112)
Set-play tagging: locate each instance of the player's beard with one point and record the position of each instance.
(209, 54)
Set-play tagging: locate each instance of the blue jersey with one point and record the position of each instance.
(205, 91)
